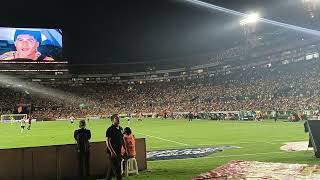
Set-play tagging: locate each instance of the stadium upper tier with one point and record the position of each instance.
(228, 63)
(285, 87)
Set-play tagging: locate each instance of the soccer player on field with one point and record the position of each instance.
(128, 118)
(140, 116)
(190, 116)
(71, 119)
(88, 119)
(29, 122)
(22, 124)
(11, 119)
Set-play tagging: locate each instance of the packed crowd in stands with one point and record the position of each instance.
(284, 87)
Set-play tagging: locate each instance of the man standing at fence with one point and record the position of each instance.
(114, 143)
(82, 137)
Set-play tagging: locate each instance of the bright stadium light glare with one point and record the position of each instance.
(310, 1)
(52, 94)
(237, 13)
(250, 19)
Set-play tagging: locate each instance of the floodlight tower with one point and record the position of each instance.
(248, 25)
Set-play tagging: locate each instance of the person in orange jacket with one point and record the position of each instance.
(129, 143)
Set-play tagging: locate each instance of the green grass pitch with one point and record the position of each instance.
(258, 141)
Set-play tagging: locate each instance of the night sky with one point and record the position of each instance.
(120, 31)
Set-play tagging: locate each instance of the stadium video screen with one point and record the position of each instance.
(30, 45)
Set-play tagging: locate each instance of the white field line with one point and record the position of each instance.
(168, 140)
(253, 142)
(230, 143)
(233, 143)
(234, 155)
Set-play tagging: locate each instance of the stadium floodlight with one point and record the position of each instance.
(250, 19)
(276, 23)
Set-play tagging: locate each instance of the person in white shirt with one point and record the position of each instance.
(22, 124)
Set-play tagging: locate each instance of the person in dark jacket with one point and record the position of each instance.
(114, 141)
(82, 137)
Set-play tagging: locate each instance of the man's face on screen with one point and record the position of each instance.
(26, 46)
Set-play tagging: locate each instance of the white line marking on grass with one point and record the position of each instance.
(234, 143)
(168, 140)
(254, 142)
